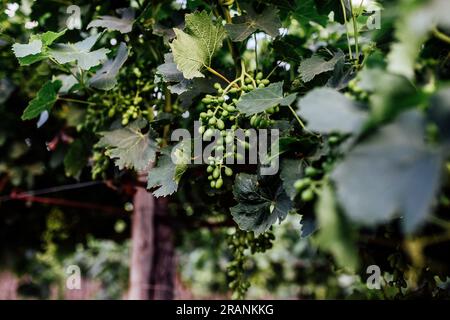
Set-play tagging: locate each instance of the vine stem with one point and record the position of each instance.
(77, 101)
(220, 76)
(355, 31)
(297, 117)
(440, 35)
(256, 51)
(346, 29)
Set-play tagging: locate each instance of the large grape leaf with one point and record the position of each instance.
(23, 50)
(291, 171)
(76, 158)
(106, 77)
(167, 174)
(243, 26)
(306, 12)
(44, 100)
(129, 147)
(192, 50)
(80, 52)
(261, 99)
(168, 70)
(37, 47)
(392, 173)
(311, 67)
(389, 94)
(327, 110)
(260, 202)
(334, 234)
(124, 24)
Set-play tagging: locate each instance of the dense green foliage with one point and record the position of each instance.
(360, 94)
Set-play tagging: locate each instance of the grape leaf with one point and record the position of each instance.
(44, 100)
(243, 26)
(260, 203)
(327, 110)
(291, 171)
(261, 99)
(306, 11)
(129, 147)
(311, 67)
(394, 172)
(31, 48)
(76, 158)
(106, 77)
(124, 24)
(36, 49)
(167, 174)
(334, 234)
(80, 52)
(68, 81)
(168, 70)
(194, 49)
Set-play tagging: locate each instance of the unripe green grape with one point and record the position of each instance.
(253, 120)
(228, 172)
(259, 76)
(209, 169)
(229, 139)
(206, 100)
(310, 171)
(300, 184)
(208, 133)
(220, 99)
(203, 115)
(201, 129)
(307, 195)
(216, 173)
(224, 113)
(219, 149)
(265, 81)
(249, 87)
(212, 184)
(263, 123)
(333, 140)
(261, 85)
(212, 121)
(248, 80)
(233, 90)
(217, 86)
(219, 183)
(271, 110)
(210, 177)
(220, 124)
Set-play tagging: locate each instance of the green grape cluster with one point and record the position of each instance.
(238, 243)
(221, 115)
(356, 91)
(129, 101)
(308, 184)
(100, 164)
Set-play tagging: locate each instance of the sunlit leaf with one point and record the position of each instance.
(129, 147)
(194, 48)
(44, 100)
